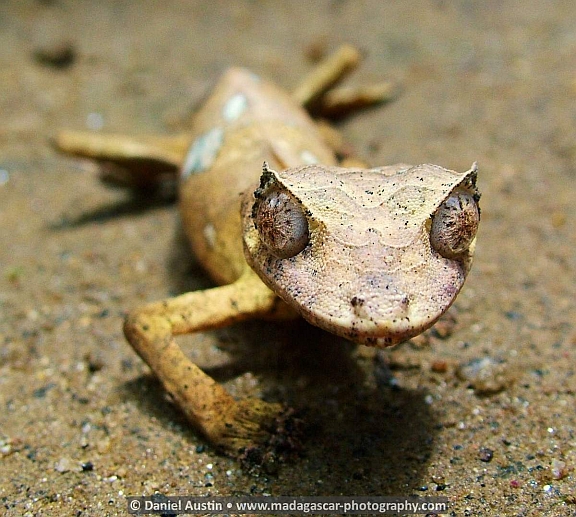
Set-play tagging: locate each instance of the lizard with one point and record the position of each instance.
(375, 255)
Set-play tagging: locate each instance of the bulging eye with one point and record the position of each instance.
(281, 223)
(454, 224)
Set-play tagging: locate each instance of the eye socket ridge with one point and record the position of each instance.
(455, 223)
(281, 222)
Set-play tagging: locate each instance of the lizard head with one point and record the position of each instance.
(372, 255)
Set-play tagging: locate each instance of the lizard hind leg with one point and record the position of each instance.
(237, 427)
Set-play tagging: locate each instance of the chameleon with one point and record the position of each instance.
(375, 255)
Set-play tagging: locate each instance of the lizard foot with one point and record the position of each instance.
(261, 434)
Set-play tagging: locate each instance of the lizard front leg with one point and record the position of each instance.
(234, 426)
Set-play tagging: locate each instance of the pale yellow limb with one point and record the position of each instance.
(326, 74)
(233, 426)
(339, 102)
(141, 161)
(122, 148)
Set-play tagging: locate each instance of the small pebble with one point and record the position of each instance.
(513, 315)
(445, 326)
(421, 341)
(439, 366)
(63, 465)
(485, 454)
(40, 393)
(439, 479)
(103, 445)
(87, 466)
(403, 361)
(559, 469)
(486, 376)
(55, 54)
(95, 361)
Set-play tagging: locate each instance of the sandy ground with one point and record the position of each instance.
(484, 415)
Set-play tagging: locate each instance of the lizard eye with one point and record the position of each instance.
(455, 223)
(281, 223)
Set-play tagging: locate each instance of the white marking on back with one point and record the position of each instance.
(210, 235)
(203, 152)
(234, 107)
